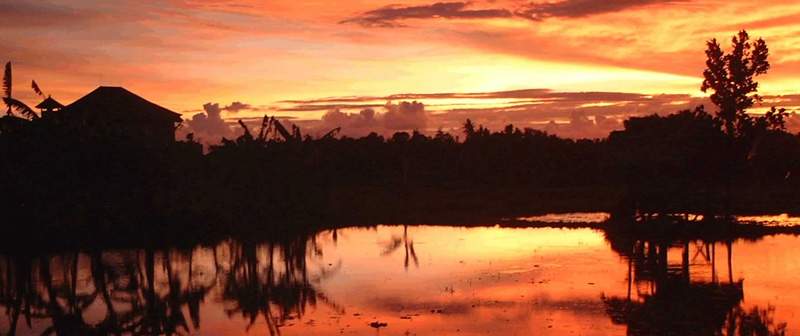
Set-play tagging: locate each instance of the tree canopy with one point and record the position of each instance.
(731, 77)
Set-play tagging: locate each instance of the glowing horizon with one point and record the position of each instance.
(185, 54)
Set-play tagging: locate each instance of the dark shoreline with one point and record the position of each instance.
(165, 233)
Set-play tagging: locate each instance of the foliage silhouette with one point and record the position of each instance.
(12, 103)
(731, 77)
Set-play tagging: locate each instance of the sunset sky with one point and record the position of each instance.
(582, 64)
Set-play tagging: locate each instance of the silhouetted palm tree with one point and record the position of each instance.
(11, 103)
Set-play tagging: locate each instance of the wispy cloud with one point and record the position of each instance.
(390, 16)
(525, 94)
(393, 15)
(582, 8)
(237, 106)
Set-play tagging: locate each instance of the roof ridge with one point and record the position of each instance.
(118, 98)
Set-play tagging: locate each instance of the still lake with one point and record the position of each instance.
(412, 280)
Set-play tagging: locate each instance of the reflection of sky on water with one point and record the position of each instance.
(771, 220)
(569, 218)
(599, 217)
(465, 281)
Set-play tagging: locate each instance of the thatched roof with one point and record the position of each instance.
(119, 103)
(49, 103)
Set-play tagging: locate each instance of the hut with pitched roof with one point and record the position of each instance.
(116, 113)
(48, 106)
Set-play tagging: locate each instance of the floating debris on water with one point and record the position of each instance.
(378, 325)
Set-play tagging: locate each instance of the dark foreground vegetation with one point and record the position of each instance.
(63, 182)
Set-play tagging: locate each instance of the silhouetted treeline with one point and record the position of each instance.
(682, 162)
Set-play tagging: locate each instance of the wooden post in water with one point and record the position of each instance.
(630, 276)
(730, 263)
(713, 262)
(685, 262)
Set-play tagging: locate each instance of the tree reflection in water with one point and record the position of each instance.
(272, 280)
(407, 244)
(669, 301)
(149, 292)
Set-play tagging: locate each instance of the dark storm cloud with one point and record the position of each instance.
(388, 17)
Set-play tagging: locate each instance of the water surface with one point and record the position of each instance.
(414, 280)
